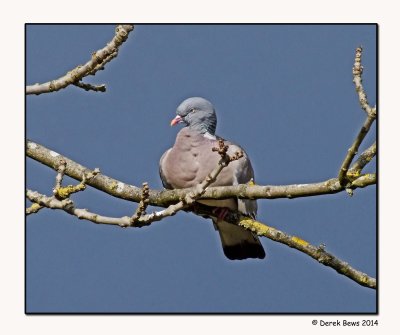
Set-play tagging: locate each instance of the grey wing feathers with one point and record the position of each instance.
(245, 174)
(160, 167)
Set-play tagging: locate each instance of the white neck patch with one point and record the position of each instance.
(209, 136)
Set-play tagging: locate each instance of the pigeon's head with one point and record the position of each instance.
(198, 114)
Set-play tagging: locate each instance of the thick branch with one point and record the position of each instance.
(318, 253)
(74, 170)
(99, 59)
(125, 191)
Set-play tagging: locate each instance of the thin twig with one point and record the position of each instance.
(68, 206)
(364, 180)
(144, 202)
(100, 67)
(60, 193)
(362, 161)
(357, 80)
(60, 175)
(90, 87)
(371, 116)
(97, 62)
(34, 208)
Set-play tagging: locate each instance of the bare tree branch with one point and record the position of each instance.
(144, 202)
(34, 208)
(357, 80)
(318, 253)
(62, 193)
(364, 180)
(89, 87)
(99, 59)
(371, 116)
(164, 198)
(68, 206)
(343, 178)
(362, 160)
(60, 175)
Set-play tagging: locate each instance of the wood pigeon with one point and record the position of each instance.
(191, 159)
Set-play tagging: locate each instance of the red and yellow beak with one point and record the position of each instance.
(176, 120)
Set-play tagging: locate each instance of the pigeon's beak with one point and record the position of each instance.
(176, 120)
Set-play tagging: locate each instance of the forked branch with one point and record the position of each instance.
(371, 116)
(96, 63)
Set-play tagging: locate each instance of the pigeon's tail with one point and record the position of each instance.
(237, 242)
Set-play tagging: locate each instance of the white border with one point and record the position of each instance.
(14, 321)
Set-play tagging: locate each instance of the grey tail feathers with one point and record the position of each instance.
(237, 242)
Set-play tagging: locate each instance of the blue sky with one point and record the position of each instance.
(284, 93)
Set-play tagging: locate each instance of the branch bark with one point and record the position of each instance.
(164, 198)
(363, 160)
(357, 80)
(318, 253)
(352, 152)
(261, 229)
(371, 116)
(97, 62)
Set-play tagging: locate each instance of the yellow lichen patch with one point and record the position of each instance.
(299, 241)
(255, 226)
(113, 186)
(64, 192)
(353, 173)
(35, 206)
(251, 182)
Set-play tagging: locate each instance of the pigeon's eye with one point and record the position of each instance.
(192, 110)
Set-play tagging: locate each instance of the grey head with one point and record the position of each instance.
(198, 114)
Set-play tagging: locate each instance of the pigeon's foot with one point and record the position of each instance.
(220, 212)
